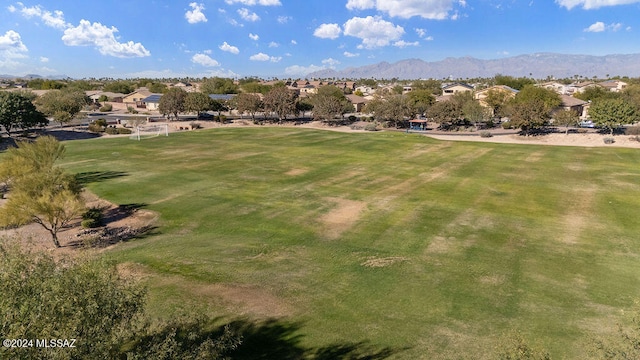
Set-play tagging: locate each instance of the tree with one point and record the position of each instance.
(612, 113)
(248, 103)
(420, 100)
(565, 118)
(255, 87)
(303, 106)
(39, 191)
(218, 85)
(172, 103)
(474, 112)
(62, 105)
(514, 83)
(592, 93)
(497, 100)
(88, 303)
(280, 101)
(122, 87)
(549, 98)
(445, 113)
(530, 115)
(395, 109)
(197, 102)
(329, 103)
(17, 111)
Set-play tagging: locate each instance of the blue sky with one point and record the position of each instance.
(290, 38)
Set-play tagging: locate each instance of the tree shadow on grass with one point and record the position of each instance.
(275, 339)
(88, 177)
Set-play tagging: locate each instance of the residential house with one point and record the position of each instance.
(613, 85)
(152, 102)
(580, 107)
(580, 87)
(482, 94)
(455, 88)
(559, 88)
(135, 99)
(358, 101)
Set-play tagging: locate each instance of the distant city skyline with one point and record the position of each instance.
(291, 38)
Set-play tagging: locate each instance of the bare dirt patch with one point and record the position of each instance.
(376, 262)
(296, 172)
(342, 217)
(122, 223)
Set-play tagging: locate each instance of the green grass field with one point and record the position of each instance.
(384, 241)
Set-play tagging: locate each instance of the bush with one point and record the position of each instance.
(101, 122)
(124, 131)
(106, 107)
(632, 130)
(92, 218)
(95, 128)
(131, 110)
(195, 126)
(111, 130)
(371, 127)
(507, 125)
(609, 140)
(485, 134)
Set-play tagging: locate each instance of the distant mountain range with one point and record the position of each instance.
(539, 66)
(32, 76)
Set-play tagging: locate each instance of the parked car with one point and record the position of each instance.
(586, 124)
(205, 116)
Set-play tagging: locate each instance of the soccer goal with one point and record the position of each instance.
(150, 131)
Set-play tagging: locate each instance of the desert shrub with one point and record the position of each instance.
(124, 131)
(371, 127)
(93, 216)
(486, 134)
(632, 130)
(221, 118)
(95, 128)
(106, 107)
(195, 126)
(111, 130)
(131, 110)
(507, 125)
(582, 131)
(609, 140)
(101, 122)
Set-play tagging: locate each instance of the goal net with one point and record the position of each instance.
(150, 131)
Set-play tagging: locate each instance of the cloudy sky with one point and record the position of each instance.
(290, 38)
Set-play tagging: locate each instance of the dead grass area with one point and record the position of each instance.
(296, 172)
(376, 262)
(342, 217)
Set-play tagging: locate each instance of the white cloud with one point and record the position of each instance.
(599, 26)
(403, 43)
(428, 9)
(264, 57)
(421, 32)
(11, 46)
(204, 60)
(246, 15)
(297, 70)
(615, 27)
(360, 4)
(44, 59)
(373, 31)
(255, 2)
(348, 54)
(284, 19)
(328, 31)
(293, 42)
(429, 38)
(254, 37)
(104, 39)
(229, 48)
(52, 19)
(330, 62)
(195, 15)
(235, 23)
(593, 4)
(273, 44)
